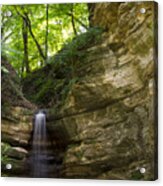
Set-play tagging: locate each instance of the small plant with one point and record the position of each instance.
(136, 175)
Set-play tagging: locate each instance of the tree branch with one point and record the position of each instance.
(34, 38)
(77, 20)
(72, 20)
(25, 43)
(5, 38)
(25, 16)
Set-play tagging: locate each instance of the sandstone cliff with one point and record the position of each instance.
(16, 123)
(104, 122)
(109, 122)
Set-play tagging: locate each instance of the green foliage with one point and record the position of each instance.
(74, 49)
(136, 175)
(5, 147)
(47, 90)
(67, 47)
(73, 52)
(44, 87)
(52, 84)
(60, 30)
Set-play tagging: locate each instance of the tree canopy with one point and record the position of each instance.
(33, 33)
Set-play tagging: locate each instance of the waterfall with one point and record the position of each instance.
(45, 161)
(39, 147)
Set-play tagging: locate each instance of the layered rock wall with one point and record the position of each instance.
(108, 124)
(16, 124)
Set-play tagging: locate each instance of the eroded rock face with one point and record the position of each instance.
(16, 129)
(108, 122)
(16, 124)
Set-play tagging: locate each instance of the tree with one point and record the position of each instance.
(25, 42)
(27, 21)
(33, 36)
(39, 30)
(72, 19)
(46, 35)
(25, 62)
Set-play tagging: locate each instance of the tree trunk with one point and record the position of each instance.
(91, 7)
(46, 35)
(82, 24)
(34, 38)
(25, 43)
(72, 20)
(28, 21)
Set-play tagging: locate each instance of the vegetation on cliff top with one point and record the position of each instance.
(47, 41)
(61, 72)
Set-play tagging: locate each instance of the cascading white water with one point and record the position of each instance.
(39, 146)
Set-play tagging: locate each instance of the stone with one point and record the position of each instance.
(16, 124)
(17, 153)
(108, 121)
